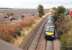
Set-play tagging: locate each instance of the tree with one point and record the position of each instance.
(40, 10)
(60, 10)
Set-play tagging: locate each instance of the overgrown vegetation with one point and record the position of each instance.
(11, 30)
(64, 25)
(66, 38)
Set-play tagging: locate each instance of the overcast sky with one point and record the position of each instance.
(34, 3)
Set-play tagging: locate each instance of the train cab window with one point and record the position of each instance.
(51, 29)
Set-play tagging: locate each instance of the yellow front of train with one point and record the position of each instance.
(49, 33)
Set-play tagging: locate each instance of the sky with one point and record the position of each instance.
(34, 3)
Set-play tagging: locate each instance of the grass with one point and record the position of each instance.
(66, 37)
(26, 31)
(7, 29)
(24, 26)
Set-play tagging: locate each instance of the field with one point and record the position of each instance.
(15, 24)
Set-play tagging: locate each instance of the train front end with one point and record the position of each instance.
(50, 33)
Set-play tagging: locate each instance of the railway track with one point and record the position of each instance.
(37, 41)
(33, 36)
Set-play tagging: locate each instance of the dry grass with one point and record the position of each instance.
(26, 30)
(7, 29)
(66, 28)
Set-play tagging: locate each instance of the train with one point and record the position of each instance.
(49, 29)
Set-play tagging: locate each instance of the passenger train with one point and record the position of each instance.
(50, 29)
